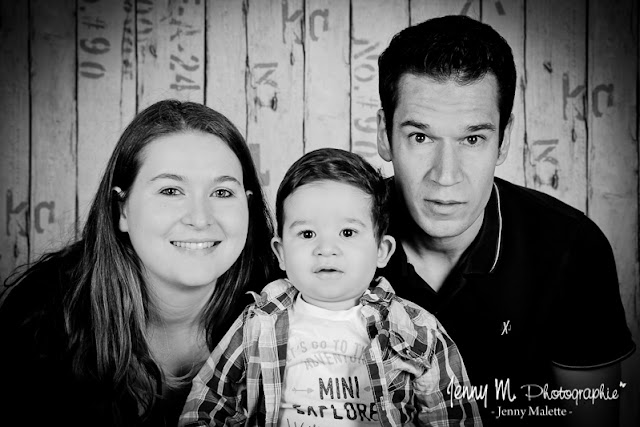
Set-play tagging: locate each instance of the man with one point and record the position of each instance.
(525, 285)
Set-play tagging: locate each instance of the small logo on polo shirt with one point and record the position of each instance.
(506, 327)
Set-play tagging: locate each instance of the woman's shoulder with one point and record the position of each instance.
(38, 290)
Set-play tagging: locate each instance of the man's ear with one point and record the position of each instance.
(506, 142)
(123, 224)
(384, 146)
(276, 246)
(386, 248)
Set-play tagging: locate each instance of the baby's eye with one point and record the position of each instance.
(307, 234)
(222, 193)
(348, 232)
(170, 191)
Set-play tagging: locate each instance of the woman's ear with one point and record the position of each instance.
(123, 225)
(386, 248)
(276, 246)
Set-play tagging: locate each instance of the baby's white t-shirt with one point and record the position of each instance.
(326, 382)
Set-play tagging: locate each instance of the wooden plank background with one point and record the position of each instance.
(295, 75)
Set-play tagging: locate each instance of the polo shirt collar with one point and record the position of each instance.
(483, 254)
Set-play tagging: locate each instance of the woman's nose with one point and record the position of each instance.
(200, 213)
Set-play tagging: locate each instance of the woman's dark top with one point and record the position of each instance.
(38, 382)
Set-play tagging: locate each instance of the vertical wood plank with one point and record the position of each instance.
(105, 43)
(370, 36)
(53, 125)
(227, 60)
(613, 143)
(507, 17)
(555, 156)
(613, 156)
(129, 70)
(170, 40)
(421, 10)
(275, 87)
(14, 136)
(327, 75)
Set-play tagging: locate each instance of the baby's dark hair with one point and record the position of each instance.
(332, 164)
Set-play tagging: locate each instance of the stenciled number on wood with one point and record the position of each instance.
(127, 41)
(95, 46)
(542, 150)
(262, 75)
(289, 17)
(144, 25)
(542, 154)
(364, 73)
(182, 64)
(319, 13)
(48, 206)
(599, 93)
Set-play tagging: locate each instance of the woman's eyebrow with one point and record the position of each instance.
(226, 178)
(180, 178)
(171, 176)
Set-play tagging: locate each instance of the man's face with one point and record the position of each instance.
(444, 149)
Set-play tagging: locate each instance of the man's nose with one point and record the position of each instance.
(445, 170)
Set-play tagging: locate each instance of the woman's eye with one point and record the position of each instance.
(170, 191)
(222, 193)
(307, 234)
(348, 232)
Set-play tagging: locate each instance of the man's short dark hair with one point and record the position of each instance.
(449, 47)
(332, 164)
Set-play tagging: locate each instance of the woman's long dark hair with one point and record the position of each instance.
(107, 307)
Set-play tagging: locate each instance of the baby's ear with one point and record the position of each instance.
(278, 249)
(386, 248)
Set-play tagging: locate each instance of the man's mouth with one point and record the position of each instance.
(443, 202)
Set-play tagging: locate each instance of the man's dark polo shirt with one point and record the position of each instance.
(537, 286)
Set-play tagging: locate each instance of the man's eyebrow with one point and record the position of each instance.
(415, 124)
(481, 127)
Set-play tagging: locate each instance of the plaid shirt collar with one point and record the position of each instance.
(279, 296)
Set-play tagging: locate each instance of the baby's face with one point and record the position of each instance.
(328, 245)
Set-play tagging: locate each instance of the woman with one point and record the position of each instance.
(111, 329)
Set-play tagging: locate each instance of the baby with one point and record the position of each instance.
(332, 345)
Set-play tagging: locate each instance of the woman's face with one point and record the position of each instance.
(186, 213)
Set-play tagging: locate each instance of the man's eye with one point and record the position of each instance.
(419, 137)
(222, 193)
(348, 232)
(473, 140)
(170, 191)
(307, 234)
